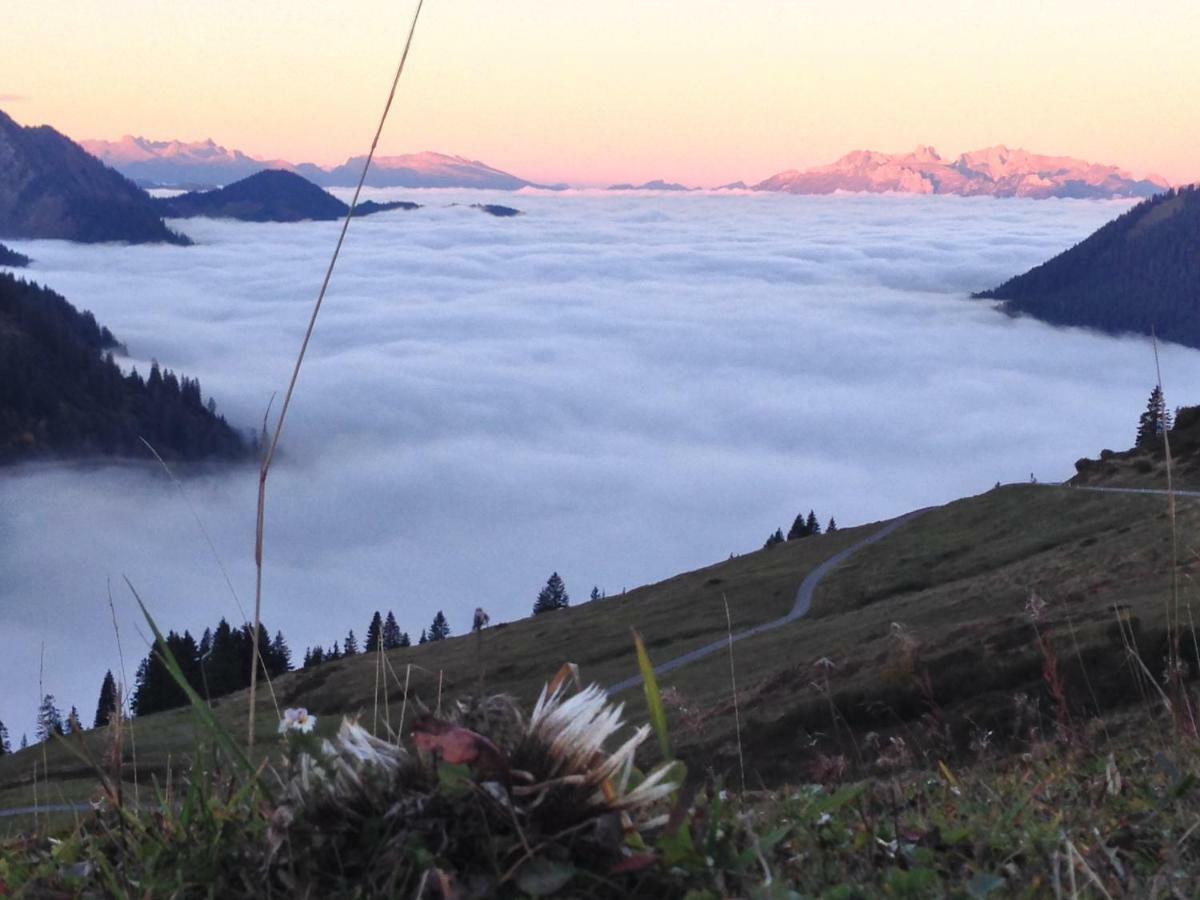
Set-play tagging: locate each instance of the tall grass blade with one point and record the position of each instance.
(654, 703)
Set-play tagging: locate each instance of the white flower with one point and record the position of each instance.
(825, 819)
(297, 720)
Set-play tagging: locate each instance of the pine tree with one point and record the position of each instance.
(798, 529)
(374, 633)
(5, 746)
(811, 523)
(404, 640)
(334, 652)
(552, 596)
(392, 636)
(595, 594)
(424, 639)
(350, 644)
(24, 741)
(440, 629)
(72, 722)
(1155, 420)
(281, 655)
(49, 719)
(106, 708)
(776, 538)
(832, 527)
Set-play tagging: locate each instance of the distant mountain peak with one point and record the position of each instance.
(997, 171)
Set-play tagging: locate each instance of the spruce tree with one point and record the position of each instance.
(552, 596)
(798, 529)
(106, 708)
(49, 719)
(24, 741)
(440, 629)
(71, 722)
(832, 527)
(391, 633)
(811, 523)
(374, 633)
(404, 640)
(776, 538)
(5, 746)
(424, 639)
(595, 595)
(333, 653)
(350, 644)
(1155, 420)
(281, 655)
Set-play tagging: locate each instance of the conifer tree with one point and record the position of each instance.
(106, 708)
(24, 741)
(811, 523)
(333, 653)
(776, 538)
(595, 595)
(280, 658)
(424, 639)
(5, 746)
(71, 721)
(350, 644)
(552, 596)
(49, 719)
(391, 633)
(404, 640)
(374, 633)
(832, 527)
(1155, 420)
(440, 629)
(799, 529)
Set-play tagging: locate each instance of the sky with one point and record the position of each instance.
(696, 91)
(617, 388)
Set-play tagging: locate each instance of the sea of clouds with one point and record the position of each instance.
(619, 387)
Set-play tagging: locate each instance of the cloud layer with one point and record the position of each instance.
(618, 388)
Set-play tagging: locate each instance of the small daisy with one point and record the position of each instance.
(297, 720)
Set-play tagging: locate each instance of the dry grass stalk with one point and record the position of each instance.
(269, 455)
(737, 718)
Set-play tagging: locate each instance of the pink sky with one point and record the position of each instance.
(699, 92)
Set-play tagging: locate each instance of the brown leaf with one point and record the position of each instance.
(458, 745)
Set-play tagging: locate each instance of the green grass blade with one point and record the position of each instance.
(658, 713)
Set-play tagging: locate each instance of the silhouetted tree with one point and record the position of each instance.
(799, 529)
(71, 722)
(350, 644)
(5, 746)
(374, 633)
(595, 594)
(439, 630)
(280, 658)
(776, 538)
(392, 636)
(424, 639)
(1155, 420)
(552, 596)
(24, 740)
(832, 527)
(106, 708)
(811, 523)
(49, 719)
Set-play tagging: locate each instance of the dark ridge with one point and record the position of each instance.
(273, 195)
(1139, 273)
(62, 394)
(494, 209)
(50, 187)
(12, 258)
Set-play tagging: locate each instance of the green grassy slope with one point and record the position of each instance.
(943, 599)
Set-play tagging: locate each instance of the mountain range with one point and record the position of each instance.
(1139, 273)
(51, 188)
(205, 163)
(995, 171)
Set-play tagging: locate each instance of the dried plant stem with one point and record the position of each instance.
(121, 705)
(269, 456)
(737, 718)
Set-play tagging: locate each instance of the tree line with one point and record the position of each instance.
(62, 392)
(803, 526)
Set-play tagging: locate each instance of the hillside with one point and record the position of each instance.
(1139, 273)
(995, 172)
(934, 614)
(51, 188)
(12, 259)
(269, 196)
(62, 395)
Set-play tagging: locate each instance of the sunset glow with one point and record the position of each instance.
(698, 92)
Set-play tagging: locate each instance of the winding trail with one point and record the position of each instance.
(804, 596)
